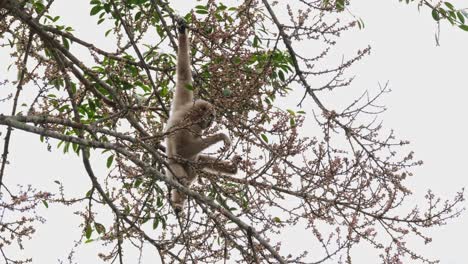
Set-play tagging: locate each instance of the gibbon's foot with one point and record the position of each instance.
(181, 25)
(179, 213)
(236, 159)
(177, 210)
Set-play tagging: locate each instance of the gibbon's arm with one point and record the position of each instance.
(183, 95)
(200, 144)
(216, 165)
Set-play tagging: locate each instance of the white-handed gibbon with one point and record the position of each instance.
(186, 123)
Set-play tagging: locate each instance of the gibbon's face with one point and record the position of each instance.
(207, 119)
(202, 114)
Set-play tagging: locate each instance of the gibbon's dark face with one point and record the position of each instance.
(207, 120)
(203, 114)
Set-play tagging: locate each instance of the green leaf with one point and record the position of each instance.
(449, 5)
(340, 5)
(461, 18)
(218, 17)
(435, 15)
(145, 219)
(227, 92)
(442, 12)
(360, 23)
(126, 210)
(159, 202)
(189, 86)
(66, 44)
(264, 137)
(45, 203)
(222, 7)
(453, 15)
(281, 76)
(464, 27)
(95, 10)
(155, 19)
(88, 231)
(245, 203)
(138, 15)
(256, 41)
(99, 228)
(66, 147)
(137, 183)
(39, 7)
(107, 7)
(292, 122)
(236, 60)
(200, 11)
(164, 91)
(160, 31)
(110, 159)
(92, 105)
(155, 222)
(76, 148)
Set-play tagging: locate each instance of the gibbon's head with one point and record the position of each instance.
(202, 114)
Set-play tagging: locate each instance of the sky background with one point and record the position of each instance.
(427, 106)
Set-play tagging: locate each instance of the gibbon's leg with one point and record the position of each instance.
(200, 144)
(223, 166)
(180, 174)
(183, 95)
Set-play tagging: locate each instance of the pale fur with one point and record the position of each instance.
(188, 119)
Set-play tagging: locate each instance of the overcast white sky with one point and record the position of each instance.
(427, 106)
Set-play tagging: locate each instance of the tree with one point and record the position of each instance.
(344, 184)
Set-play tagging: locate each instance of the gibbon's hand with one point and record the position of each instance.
(226, 140)
(181, 25)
